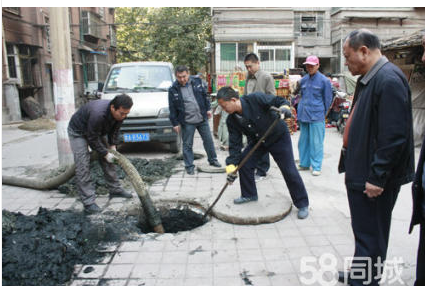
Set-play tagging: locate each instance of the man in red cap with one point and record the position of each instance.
(316, 97)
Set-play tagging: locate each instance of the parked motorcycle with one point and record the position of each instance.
(343, 115)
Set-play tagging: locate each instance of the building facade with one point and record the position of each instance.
(284, 37)
(27, 60)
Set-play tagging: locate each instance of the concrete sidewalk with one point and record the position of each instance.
(217, 253)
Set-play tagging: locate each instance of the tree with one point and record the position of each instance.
(172, 34)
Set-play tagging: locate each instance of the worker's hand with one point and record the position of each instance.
(113, 147)
(209, 114)
(285, 111)
(231, 173)
(231, 178)
(372, 191)
(177, 129)
(230, 168)
(110, 158)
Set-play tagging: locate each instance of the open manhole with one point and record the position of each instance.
(175, 217)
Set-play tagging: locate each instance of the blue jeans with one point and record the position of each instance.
(310, 144)
(188, 131)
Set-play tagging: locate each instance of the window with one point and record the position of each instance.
(14, 10)
(11, 60)
(308, 24)
(97, 67)
(47, 22)
(274, 58)
(101, 12)
(233, 54)
(113, 36)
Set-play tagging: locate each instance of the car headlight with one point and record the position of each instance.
(164, 112)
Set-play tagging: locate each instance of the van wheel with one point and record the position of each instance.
(176, 145)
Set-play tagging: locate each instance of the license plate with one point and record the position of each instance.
(345, 116)
(136, 137)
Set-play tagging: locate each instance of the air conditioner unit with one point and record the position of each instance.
(91, 24)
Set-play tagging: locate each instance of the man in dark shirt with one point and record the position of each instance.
(88, 127)
(189, 111)
(251, 116)
(418, 215)
(379, 155)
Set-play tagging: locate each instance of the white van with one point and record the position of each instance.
(147, 83)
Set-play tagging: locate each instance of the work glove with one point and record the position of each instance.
(283, 110)
(231, 174)
(110, 158)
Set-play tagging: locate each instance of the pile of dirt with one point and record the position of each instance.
(43, 249)
(149, 170)
(38, 124)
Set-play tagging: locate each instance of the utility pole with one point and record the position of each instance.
(63, 82)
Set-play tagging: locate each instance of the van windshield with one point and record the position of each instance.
(139, 78)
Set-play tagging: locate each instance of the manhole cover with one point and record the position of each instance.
(176, 217)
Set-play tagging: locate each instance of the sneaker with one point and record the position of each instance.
(215, 164)
(259, 178)
(92, 209)
(242, 200)
(316, 173)
(303, 213)
(122, 194)
(302, 168)
(190, 171)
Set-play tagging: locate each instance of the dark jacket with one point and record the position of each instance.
(380, 143)
(93, 121)
(176, 104)
(418, 193)
(256, 117)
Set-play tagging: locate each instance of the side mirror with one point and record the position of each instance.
(100, 86)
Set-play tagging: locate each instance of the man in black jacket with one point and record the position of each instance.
(418, 216)
(189, 111)
(88, 127)
(251, 116)
(379, 155)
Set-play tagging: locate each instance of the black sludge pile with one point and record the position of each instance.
(43, 249)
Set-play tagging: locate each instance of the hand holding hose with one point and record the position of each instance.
(283, 110)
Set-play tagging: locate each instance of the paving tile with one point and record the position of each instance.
(246, 255)
(175, 257)
(198, 282)
(142, 282)
(275, 254)
(294, 241)
(112, 282)
(316, 240)
(281, 280)
(246, 232)
(271, 242)
(247, 243)
(172, 271)
(169, 282)
(92, 271)
(280, 267)
(200, 257)
(259, 280)
(145, 271)
(131, 246)
(228, 281)
(253, 267)
(85, 282)
(226, 269)
(200, 270)
(125, 258)
(149, 257)
(200, 244)
(221, 244)
(118, 271)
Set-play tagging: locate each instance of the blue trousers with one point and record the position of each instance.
(310, 144)
(281, 152)
(371, 221)
(188, 131)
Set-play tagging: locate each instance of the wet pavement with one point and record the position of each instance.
(217, 253)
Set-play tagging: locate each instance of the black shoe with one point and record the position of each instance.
(122, 194)
(242, 200)
(215, 164)
(344, 277)
(92, 209)
(190, 171)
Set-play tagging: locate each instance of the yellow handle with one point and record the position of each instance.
(230, 168)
